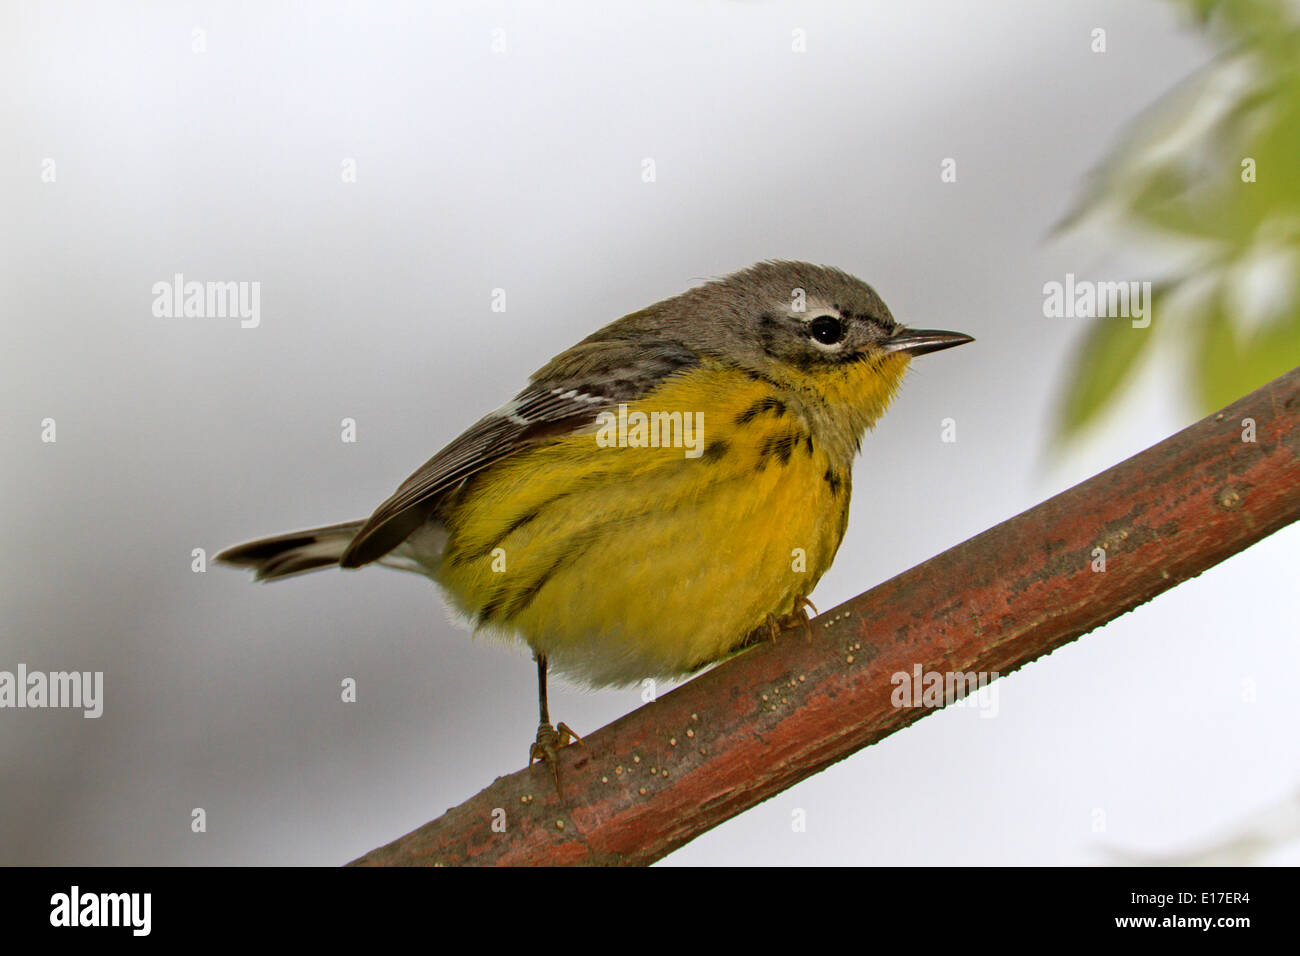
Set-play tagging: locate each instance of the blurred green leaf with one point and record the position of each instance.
(1216, 358)
(1109, 355)
(1179, 170)
(1228, 368)
(1202, 9)
(1162, 201)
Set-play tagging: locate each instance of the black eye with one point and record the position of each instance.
(827, 329)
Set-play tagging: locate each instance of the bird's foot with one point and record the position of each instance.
(550, 740)
(800, 616)
(772, 625)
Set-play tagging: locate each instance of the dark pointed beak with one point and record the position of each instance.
(924, 341)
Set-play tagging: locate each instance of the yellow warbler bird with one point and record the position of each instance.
(656, 495)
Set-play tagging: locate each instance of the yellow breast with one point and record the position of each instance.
(620, 560)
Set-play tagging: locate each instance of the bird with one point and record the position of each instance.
(657, 497)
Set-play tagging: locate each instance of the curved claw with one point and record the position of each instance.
(800, 615)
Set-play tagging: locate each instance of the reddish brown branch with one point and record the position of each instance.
(750, 728)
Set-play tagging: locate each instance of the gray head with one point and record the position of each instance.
(781, 315)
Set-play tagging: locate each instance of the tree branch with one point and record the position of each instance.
(766, 719)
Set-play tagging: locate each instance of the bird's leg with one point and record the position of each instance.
(549, 739)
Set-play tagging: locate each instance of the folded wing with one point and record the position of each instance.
(565, 396)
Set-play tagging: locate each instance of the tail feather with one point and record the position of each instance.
(297, 552)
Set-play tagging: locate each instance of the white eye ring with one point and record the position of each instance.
(836, 327)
